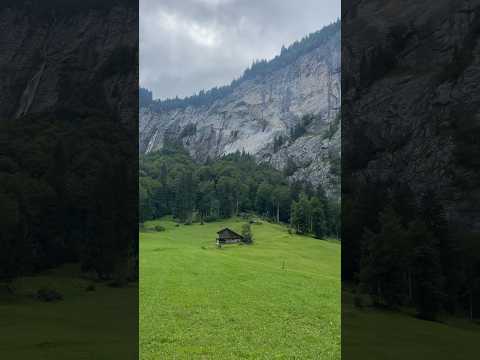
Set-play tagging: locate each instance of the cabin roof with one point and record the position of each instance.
(230, 232)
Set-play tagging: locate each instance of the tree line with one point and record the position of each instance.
(171, 183)
(400, 249)
(67, 194)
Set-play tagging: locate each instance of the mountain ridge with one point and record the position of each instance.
(280, 111)
(258, 67)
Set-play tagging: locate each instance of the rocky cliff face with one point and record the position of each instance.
(259, 115)
(72, 55)
(409, 108)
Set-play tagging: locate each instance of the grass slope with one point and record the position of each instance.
(376, 334)
(85, 325)
(276, 299)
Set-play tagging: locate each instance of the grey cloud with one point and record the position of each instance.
(189, 45)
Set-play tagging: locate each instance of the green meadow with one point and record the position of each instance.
(369, 333)
(94, 325)
(276, 299)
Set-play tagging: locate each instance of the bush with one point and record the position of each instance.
(210, 218)
(358, 301)
(90, 287)
(6, 290)
(196, 218)
(247, 233)
(159, 228)
(48, 295)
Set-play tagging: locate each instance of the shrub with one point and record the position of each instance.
(48, 295)
(210, 218)
(90, 287)
(6, 290)
(196, 218)
(159, 228)
(358, 301)
(247, 233)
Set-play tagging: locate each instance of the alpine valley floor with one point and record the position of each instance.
(276, 299)
(369, 333)
(100, 324)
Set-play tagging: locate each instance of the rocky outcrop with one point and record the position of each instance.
(49, 52)
(259, 114)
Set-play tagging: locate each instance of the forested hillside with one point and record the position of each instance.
(58, 195)
(171, 183)
(68, 137)
(410, 214)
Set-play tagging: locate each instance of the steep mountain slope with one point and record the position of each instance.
(410, 150)
(263, 113)
(68, 125)
(53, 57)
(410, 105)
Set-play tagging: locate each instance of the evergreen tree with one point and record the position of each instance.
(9, 232)
(184, 195)
(470, 258)
(301, 214)
(281, 200)
(383, 261)
(319, 225)
(427, 272)
(264, 201)
(226, 193)
(433, 215)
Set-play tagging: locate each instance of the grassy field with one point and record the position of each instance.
(100, 324)
(276, 299)
(375, 334)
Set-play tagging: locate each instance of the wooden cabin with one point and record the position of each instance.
(227, 236)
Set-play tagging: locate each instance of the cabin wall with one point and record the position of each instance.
(228, 240)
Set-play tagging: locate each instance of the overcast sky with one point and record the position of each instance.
(190, 45)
